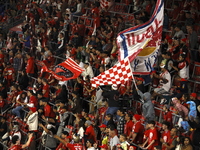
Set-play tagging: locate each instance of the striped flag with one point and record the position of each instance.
(141, 43)
(118, 74)
(66, 70)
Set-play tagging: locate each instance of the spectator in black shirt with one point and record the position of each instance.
(112, 97)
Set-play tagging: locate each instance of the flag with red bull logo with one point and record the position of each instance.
(141, 43)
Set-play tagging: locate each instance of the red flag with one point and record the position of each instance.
(66, 70)
(118, 74)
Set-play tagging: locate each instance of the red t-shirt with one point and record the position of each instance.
(168, 117)
(33, 100)
(78, 146)
(153, 135)
(139, 129)
(9, 73)
(48, 112)
(46, 88)
(70, 146)
(16, 147)
(90, 133)
(128, 127)
(30, 66)
(166, 137)
(61, 146)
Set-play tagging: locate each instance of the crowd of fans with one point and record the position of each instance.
(159, 111)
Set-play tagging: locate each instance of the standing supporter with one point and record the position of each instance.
(192, 110)
(140, 86)
(148, 107)
(45, 88)
(89, 144)
(193, 42)
(172, 142)
(104, 134)
(121, 121)
(48, 131)
(38, 86)
(89, 131)
(179, 33)
(63, 116)
(112, 97)
(65, 137)
(137, 131)
(32, 119)
(182, 110)
(47, 110)
(88, 71)
(114, 140)
(33, 102)
(18, 62)
(165, 82)
(123, 143)
(23, 79)
(165, 134)
(167, 114)
(109, 120)
(129, 125)
(9, 74)
(30, 65)
(152, 139)
(183, 68)
(16, 143)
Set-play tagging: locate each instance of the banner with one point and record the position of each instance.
(64, 71)
(141, 43)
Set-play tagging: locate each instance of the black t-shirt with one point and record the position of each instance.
(113, 97)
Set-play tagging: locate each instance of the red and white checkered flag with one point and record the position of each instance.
(105, 3)
(118, 74)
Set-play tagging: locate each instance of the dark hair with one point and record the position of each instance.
(31, 91)
(187, 96)
(152, 122)
(166, 123)
(122, 110)
(91, 141)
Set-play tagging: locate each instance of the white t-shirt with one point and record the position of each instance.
(166, 75)
(114, 141)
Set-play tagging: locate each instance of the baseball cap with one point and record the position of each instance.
(193, 95)
(102, 126)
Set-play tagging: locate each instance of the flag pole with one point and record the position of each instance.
(133, 76)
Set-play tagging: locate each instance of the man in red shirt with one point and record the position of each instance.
(45, 89)
(66, 143)
(172, 142)
(65, 137)
(89, 132)
(165, 136)
(30, 65)
(32, 99)
(152, 139)
(16, 143)
(9, 74)
(128, 126)
(47, 110)
(137, 130)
